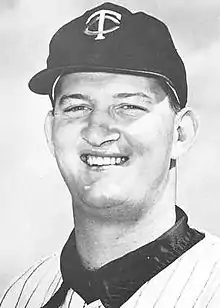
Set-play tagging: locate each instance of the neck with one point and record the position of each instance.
(99, 243)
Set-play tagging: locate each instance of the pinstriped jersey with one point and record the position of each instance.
(191, 281)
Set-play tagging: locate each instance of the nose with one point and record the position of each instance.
(100, 134)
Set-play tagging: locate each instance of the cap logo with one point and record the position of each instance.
(99, 18)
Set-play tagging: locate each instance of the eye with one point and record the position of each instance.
(132, 110)
(77, 111)
(76, 108)
(134, 107)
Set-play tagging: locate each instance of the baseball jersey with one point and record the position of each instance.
(191, 280)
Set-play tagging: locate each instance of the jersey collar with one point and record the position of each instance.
(117, 281)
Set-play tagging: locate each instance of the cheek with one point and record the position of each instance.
(65, 135)
(66, 139)
(151, 134)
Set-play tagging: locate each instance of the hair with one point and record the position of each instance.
(173, 100)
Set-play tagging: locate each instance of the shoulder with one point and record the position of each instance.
(193, 280)
(210, 241)
(208, 249)
(35, 286)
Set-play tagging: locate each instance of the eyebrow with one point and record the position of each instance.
(89, 99)
(127, 95)
(74, 96)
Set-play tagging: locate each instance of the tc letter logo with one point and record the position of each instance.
(99, 18)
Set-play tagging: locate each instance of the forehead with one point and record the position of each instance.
(108, 81)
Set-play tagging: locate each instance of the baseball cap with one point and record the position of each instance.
(110, 38)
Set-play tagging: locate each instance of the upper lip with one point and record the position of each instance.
(103, 153)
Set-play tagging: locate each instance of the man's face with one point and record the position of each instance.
(112, 136)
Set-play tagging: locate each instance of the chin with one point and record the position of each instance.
(109, 207)
(98, 195)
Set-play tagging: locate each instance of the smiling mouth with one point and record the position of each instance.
(102, 161)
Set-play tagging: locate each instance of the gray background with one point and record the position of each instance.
(35, 211)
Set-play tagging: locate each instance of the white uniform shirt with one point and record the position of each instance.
(193, 280)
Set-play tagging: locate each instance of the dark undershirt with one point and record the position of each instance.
(115, 282)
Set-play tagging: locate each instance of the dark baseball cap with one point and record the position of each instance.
(110, 38)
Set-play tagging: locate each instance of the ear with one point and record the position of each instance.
(48, 128)
(185, 132)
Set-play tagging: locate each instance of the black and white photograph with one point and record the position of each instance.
(109, 154)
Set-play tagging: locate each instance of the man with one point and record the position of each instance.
(119, 123)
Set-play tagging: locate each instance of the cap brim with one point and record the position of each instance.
(43, 81)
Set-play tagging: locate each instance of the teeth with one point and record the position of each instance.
(89, 160)
(103, 161)
(99, 161)
(113, 160)
(118, 160)
(107, 160)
